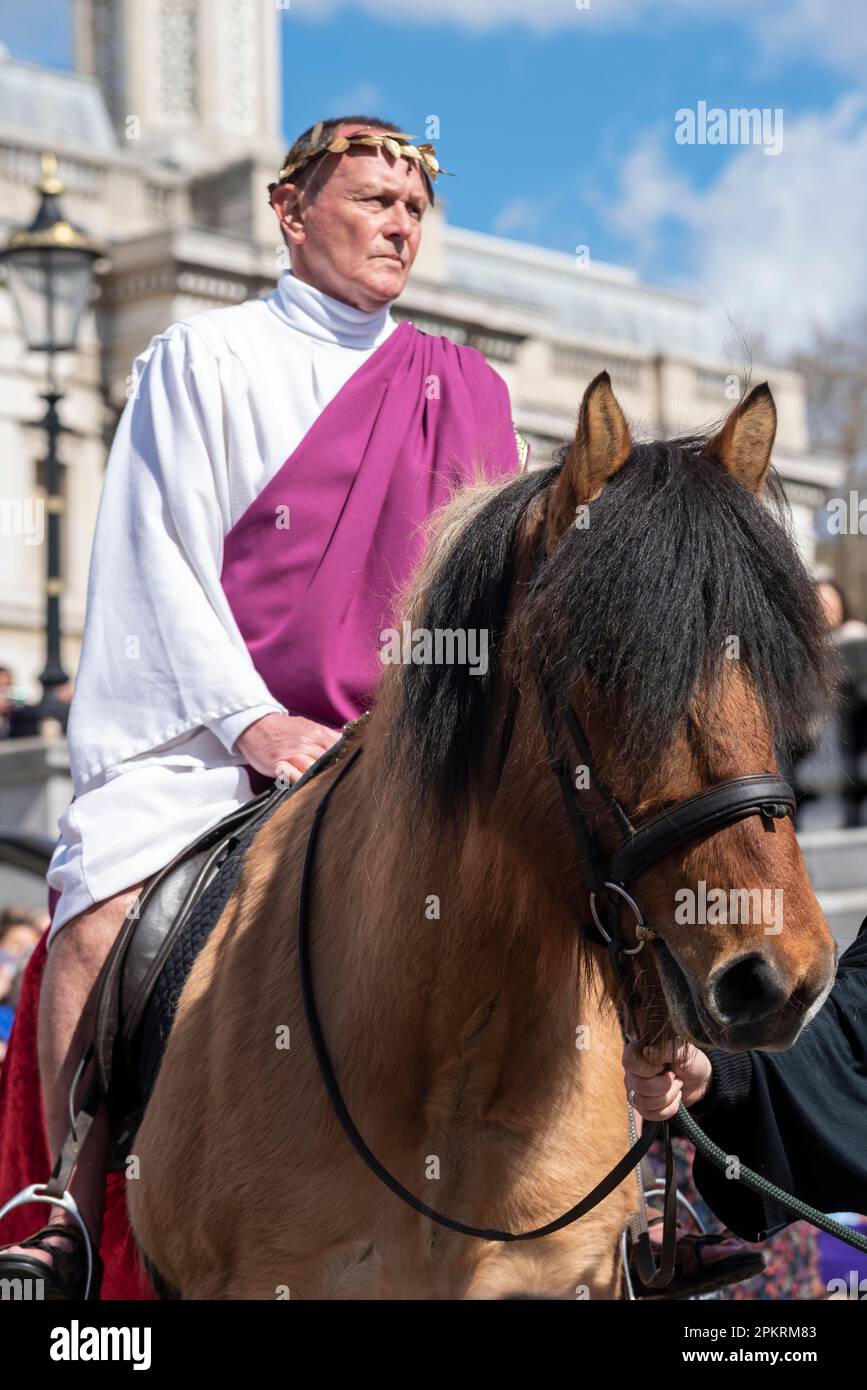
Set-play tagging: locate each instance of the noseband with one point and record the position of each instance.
(641, 846)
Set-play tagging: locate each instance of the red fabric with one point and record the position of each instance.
(24, 1155)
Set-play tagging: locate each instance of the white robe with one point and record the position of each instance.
(166, 685)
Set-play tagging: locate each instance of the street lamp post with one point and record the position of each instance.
(49, 267)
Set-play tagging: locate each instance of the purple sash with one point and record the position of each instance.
(416, 420)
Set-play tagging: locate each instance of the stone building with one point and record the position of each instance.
(166, 136)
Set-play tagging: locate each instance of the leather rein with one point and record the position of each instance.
(608, 879)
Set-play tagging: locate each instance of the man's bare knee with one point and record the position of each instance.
(76, 956)
(68, 1000)
(85, 940)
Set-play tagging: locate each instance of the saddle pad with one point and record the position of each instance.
(142, 1048)
(160, 1012)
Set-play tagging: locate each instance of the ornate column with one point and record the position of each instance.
(193, 81)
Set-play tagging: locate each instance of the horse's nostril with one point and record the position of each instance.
(747, 991)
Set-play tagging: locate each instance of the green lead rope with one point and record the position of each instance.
(758, 1184)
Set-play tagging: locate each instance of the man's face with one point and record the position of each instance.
(20, 939)
(5, 692)
(358, 238)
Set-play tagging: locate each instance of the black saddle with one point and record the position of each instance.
(152, 956)
(148, 965)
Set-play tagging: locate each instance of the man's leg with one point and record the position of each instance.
(67, 1008)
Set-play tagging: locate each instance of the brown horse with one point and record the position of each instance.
(475, 1037)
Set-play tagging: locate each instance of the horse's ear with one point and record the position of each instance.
(601, 446)
(743, 445)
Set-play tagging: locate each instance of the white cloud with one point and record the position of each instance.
(365, 98)
(518, 215)
(652, 190)
(777, 241)
(528, 214)
(833, 30)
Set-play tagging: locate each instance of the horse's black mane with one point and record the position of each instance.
(677, 559)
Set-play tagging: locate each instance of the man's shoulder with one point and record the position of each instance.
(487, 387)
(470, 361)
(205, 335)
(221, 329)
(463, 352)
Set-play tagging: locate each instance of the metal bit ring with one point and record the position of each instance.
(642, 931)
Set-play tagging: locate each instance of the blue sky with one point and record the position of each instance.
(559, 124)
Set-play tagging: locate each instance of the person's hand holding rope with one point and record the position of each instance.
(657, 1080)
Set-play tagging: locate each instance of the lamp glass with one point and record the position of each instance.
(50, 287)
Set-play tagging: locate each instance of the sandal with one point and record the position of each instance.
(697, 1270)
(65, 1278)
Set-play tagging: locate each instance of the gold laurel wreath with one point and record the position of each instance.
(397, 142)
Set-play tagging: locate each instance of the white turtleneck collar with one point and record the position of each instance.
(319, 316)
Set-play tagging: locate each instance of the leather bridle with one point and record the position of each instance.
(608, 879)
(641, 846)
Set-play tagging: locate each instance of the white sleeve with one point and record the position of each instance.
(230, 728)
(162, 652)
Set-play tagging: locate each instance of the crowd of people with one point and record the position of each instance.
(12, 705)
(837, 769)
(20, 927)
(18, 717)
(20, 930)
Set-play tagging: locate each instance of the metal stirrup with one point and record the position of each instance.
(56, 1191)
(38, 1192)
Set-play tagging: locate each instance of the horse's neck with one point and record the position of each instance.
(464, 960)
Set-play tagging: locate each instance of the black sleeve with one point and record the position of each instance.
(799, 1118)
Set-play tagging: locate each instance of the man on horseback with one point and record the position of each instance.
(264, 499)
